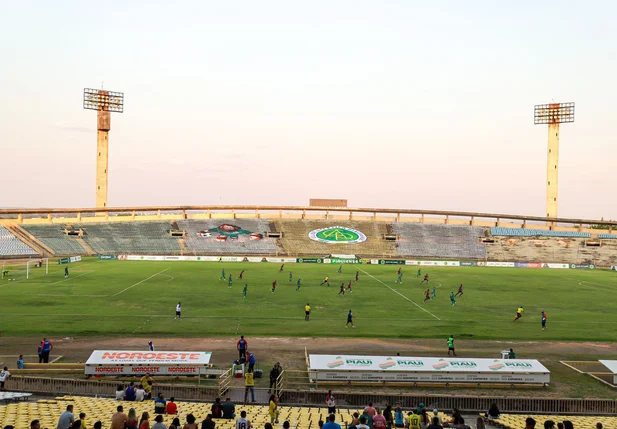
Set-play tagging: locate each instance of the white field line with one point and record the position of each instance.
(71, 278)
(400, 294)
(140, 282)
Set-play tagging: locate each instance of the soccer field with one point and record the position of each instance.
(133, 298)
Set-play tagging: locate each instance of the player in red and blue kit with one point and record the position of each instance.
(282, 268)
(427, 296)
(460, 291)
(273, 286)
(342, 290)
(241, 274)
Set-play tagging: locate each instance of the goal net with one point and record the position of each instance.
(41, 264)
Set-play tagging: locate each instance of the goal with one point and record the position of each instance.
(37, 264)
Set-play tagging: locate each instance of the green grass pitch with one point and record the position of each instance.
(139, 298)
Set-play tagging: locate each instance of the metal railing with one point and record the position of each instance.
(225, 380)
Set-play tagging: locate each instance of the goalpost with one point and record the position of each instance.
(38, 263)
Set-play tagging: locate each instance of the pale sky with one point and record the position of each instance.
(399, 104)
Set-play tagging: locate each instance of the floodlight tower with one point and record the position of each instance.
(104, 102)
(553, 114)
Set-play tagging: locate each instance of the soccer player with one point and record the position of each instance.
(425, 279)
(273, 286)
(241, 274)
(434, 293)
(66, 272)
(400, 277)
(223, 277)
(282, 268)
(519, 313)
(399, 271)
(229, 282)
(419, 272)
(452, 299)
(357, 275)
(349, 287)
(178, 312)
(543, 320)
(427, 296)
(326, 280)
(460, 291)
(340, 269)
(350, 320)
(298, 285)
(290, 277)
(342, 290)
(451, 345)
(307, 312)
(245, 290)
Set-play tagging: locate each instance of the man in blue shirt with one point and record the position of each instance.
(331, 424)
(20, 362)
(46, 349)
(242, 346)
(251, 362)
(129, 395)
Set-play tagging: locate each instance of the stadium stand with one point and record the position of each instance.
(517, 421)
(21, 414)
(607, 236)
(439, 241)
(13, 246)
(296, 241)
(526, 232)
(54, 238)
(239, 241)
(130, 237)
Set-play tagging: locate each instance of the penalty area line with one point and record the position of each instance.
(400, 294)
(140, 282)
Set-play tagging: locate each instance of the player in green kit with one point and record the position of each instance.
(433, 293)
(298, 285)
(229, 282)
(340, 269)
(245, 290)
(290, 277)
(222, 275)
(452, 300)
(400, 278)
(419, 272)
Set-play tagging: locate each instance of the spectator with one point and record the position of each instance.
(273, 409)
(560, 425)
(208, 423)
(119, 393)
(251, 361)
(435, 424)
(598, 425)
(331, 424)
(131, 420)
(480, 423)
(140, 393)
(367, 417)
(147, 381)
(456, 417)
(331, 402)
(229, 409)
(530, 423)
(363, 421)
(286, 424)
(159, 422)
(370, 410)
(40, 352)
(243, 422)
(399, 418)
(389, 416)
(171, 408)
(217, 409)
(175, 423)
(420, 408)
(144, 422)
(436, 415)
(150, 346)
(379, 421)
(319, 424)
(190, 422)
(35, 424)
(119, 419)
(549, 424)
(567, 424)
(268, 425)
(160, 404)
(414, 420)
(249, 384)
(462, 424)
(20, 362)
(66, 419)
(76, 424)
(355, 419)
(4, 376)
(98, 425)
(46, 349)
(274, 375)
(511, 354)
(129, 395)
(493, 411)
(242, 347)
(82, 419)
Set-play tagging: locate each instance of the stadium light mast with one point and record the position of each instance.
(553, 114)
(104, 102)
